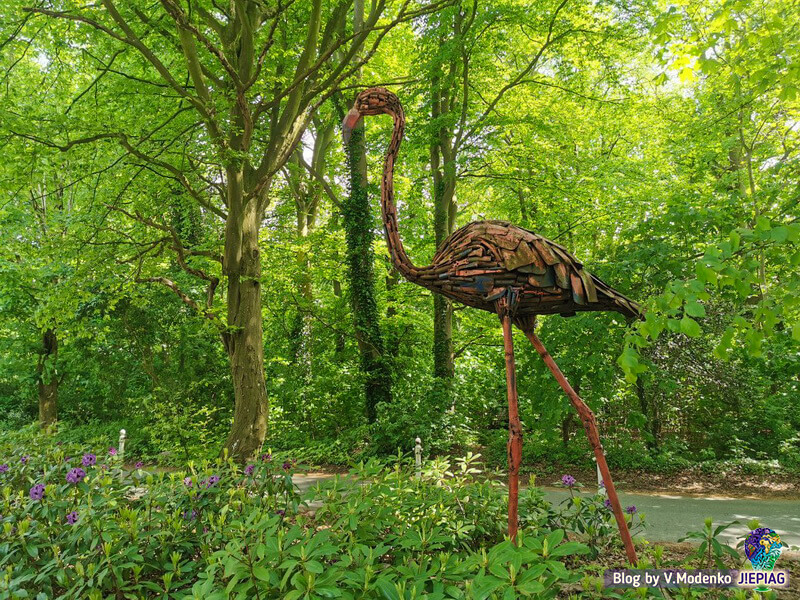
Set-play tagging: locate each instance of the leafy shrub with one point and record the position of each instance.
(536, 450)
(712, 551)
(588, 517)
(75, 525)
(790, 454)
(78, 525)
(350, 447)
(101, 434)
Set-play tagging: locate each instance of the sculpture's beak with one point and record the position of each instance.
(349, 123)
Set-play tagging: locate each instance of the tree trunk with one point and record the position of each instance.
(444, 187)
(244, 338)
(357, 217)
(301, 329)
(648, 408)
(392, 337)
(339, 341)
(566, 428)
(444, 221)
(48, 380)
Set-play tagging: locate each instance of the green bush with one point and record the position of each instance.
(537, 452)
(74, 524)
(790, 454)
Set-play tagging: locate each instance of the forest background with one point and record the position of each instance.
(187, 253)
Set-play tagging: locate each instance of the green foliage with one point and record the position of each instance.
(217, 531)
(711, 551)
(659, 144)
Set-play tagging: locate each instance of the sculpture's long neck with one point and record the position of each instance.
(388, 209)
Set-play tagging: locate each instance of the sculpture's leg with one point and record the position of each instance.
(590, 425)
(514, 424)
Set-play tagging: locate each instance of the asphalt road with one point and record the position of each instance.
(670, 517)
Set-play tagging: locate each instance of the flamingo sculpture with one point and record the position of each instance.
(504, 269)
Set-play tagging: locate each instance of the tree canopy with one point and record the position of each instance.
(188, 246)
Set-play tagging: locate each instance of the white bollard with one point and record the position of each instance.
(601, 489)
(418, 457)
(121, 449)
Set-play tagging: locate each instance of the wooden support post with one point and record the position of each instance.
(590, 426)
(514, 429)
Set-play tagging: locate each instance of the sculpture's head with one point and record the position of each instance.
(372, 101)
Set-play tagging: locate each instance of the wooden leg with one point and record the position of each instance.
(590, 425)
(514, 429)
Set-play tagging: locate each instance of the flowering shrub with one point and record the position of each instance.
(218, 531)
(589, 516)
(95, 529)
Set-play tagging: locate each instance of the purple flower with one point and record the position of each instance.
(88, 460)
(602, 484)
(281, 513)
(248, 470)
(187, 481)
(112, 451)
(76, 475)
(607, 504)
(266, 457)
(631, 510)
(4, 468)
(190, 516)
(568, 480)
(139, 465)
(24, 459)
(287, 466)
(213, 480)
(37, 492)
(72, 518)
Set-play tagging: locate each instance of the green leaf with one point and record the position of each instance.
(779, 234)
(314, 566)
(387, 588)
(690, 327)
(695, 309)
(570, 548)
(763, 223)
(705, 274)
(554, 538)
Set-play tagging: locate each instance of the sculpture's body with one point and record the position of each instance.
(504, 269)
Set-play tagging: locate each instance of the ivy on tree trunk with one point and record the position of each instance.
(359, 227)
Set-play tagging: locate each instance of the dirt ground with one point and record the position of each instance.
(691, 483)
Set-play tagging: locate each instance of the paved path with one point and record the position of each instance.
(670, 516)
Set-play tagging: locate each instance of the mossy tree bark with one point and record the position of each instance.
(48, 380)
(359, 227)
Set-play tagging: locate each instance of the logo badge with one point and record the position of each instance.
(763, 547)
